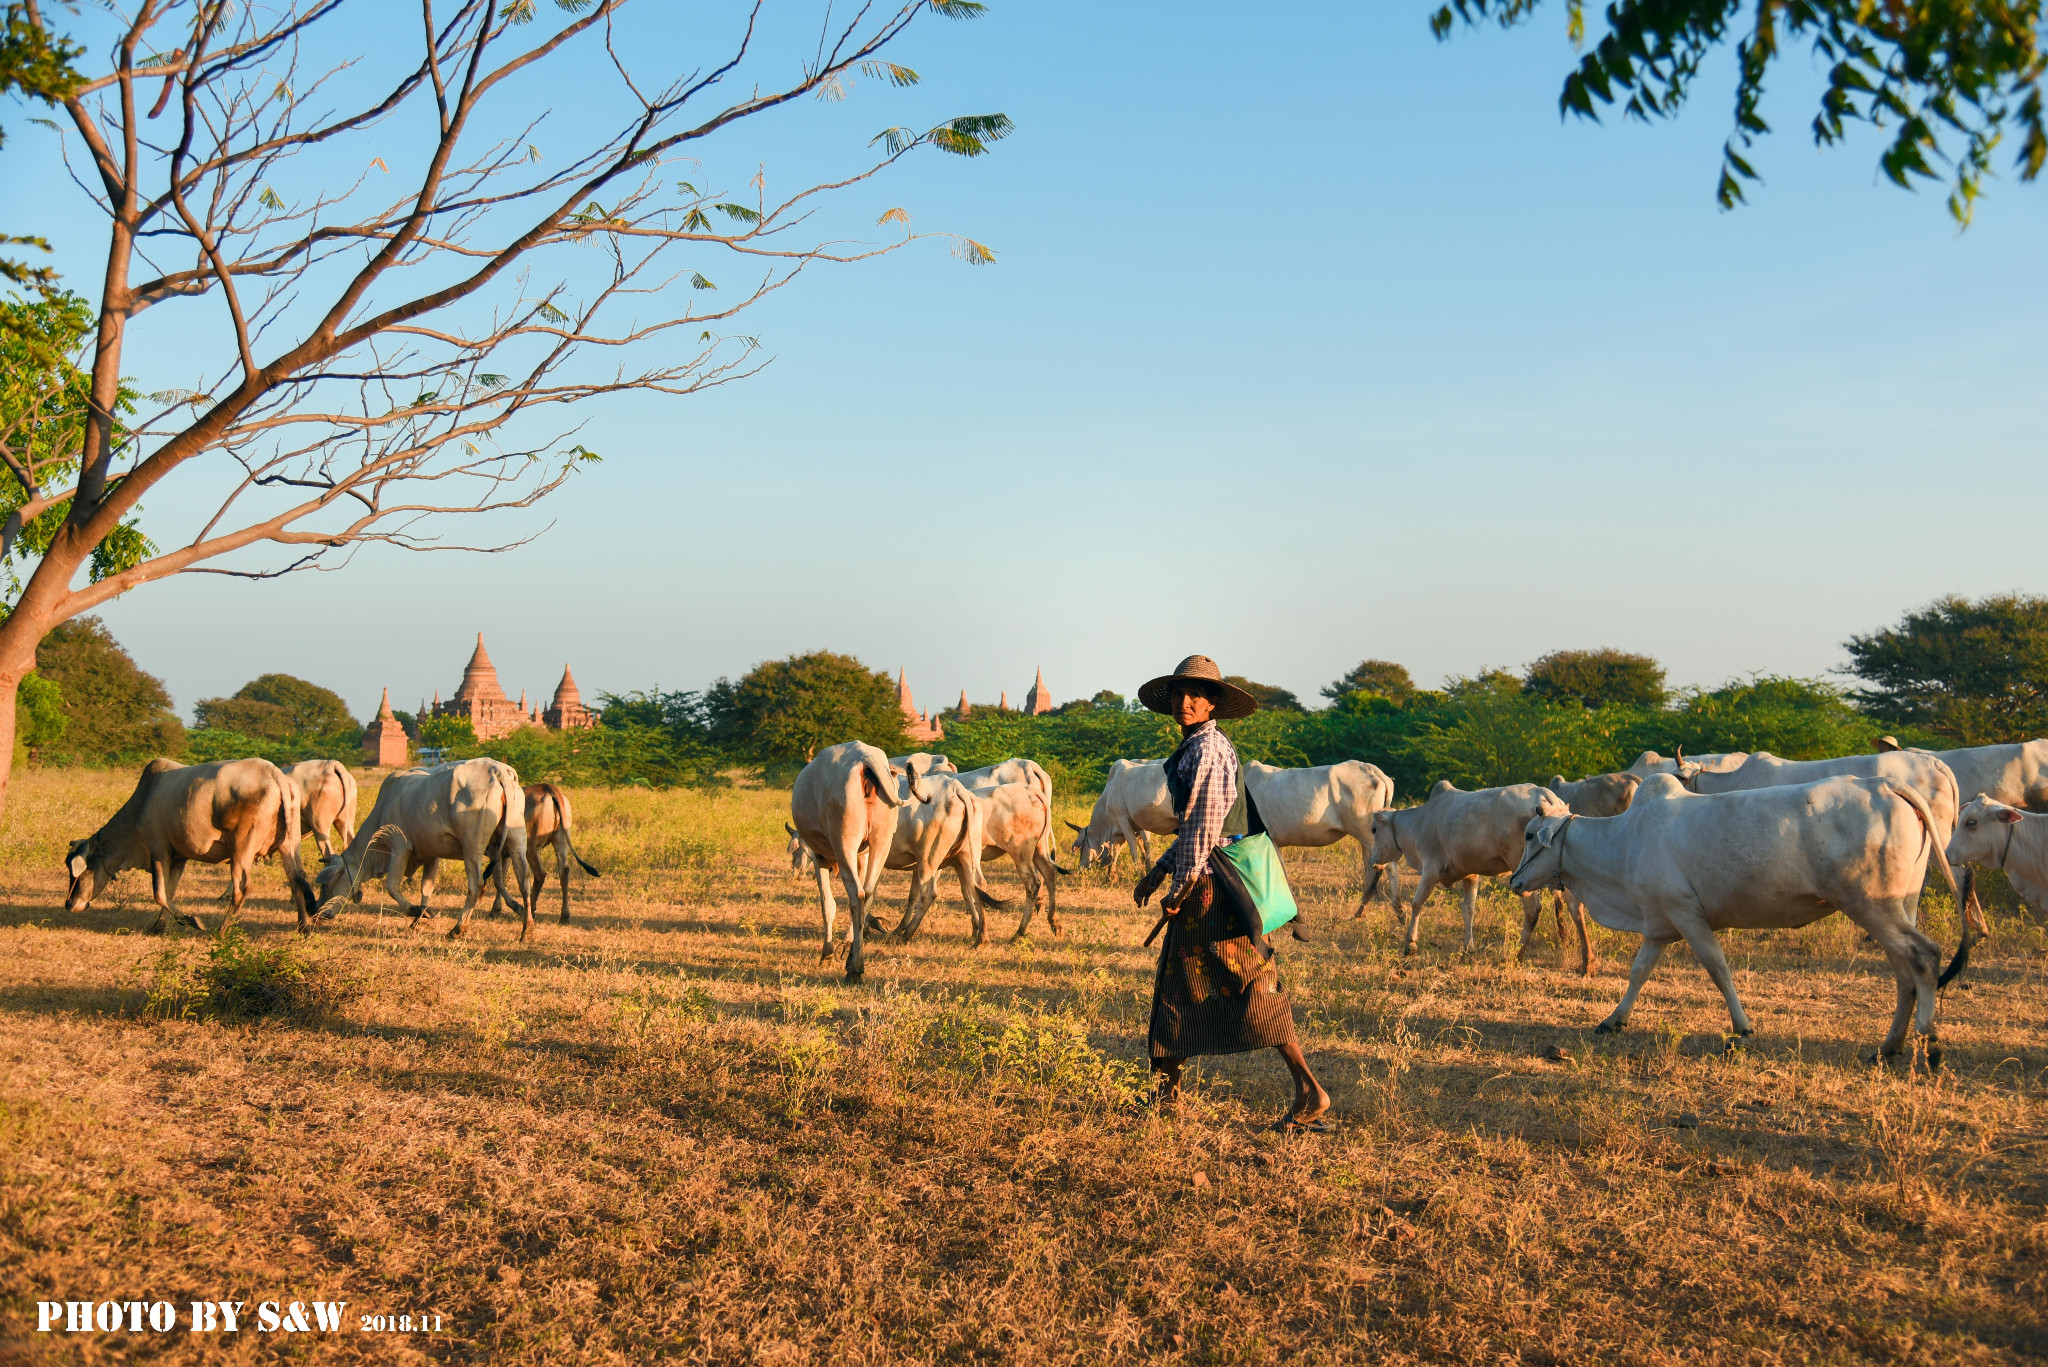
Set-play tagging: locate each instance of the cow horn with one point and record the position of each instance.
(1078, 830)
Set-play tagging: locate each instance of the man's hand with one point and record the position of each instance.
(1148, 885)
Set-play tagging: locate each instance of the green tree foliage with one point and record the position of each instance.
(39, 720)
(113, 712)
(1383, 677)
(43, 401)
(1937, 75)
(1270, 697)
(1103, 698)
(782, 712)
(453, 734)
(36, 65)
(1974, 673)
(279, 707)
(1596, 678)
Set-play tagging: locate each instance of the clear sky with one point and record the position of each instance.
(1310, 339)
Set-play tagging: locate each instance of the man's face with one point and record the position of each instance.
(1191, 707)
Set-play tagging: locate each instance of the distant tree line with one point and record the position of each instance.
(1954, 673)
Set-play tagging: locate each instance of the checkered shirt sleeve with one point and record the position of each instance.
(1212, 791)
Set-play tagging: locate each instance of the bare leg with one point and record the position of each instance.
(1311, 1102)
(1638, 974)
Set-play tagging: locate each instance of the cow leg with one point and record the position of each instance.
(1578, 910)
(973, 899)
(1915, 960)
(826, 908)
(1423, 887)
(1365, 874)
(473, 873)
(1470, 907)
(848, 861)
(1029, 875)
(562, 858)
(167, 896)
(1706, 947)
(1532, 912)
(1048, 873)
(872, 866)
(1646, 958)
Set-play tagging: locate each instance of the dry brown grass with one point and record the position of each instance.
(664, 1131)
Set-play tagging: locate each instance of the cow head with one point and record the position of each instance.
(1542, 853)
(1688, 772)
(1983, 834)
(1090, 848)
(915, 769)
(1386, 849)
(89, 869)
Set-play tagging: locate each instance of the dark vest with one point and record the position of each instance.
(1243, 817)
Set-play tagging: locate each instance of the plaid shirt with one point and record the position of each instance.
(1210, 768)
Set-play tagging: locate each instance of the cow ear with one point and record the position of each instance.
(2011, 817)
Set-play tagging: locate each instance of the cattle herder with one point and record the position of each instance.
(1217, 989)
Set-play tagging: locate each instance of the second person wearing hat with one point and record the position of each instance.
(1216, 989)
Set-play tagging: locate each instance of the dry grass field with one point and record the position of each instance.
(664, 1132)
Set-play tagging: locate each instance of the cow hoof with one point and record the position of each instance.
(854, 973)
(1933, 1058)
(1608, 1027)
(192, 921)
(565, 918)
(456, 931)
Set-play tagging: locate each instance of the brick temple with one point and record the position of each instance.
(480, 700)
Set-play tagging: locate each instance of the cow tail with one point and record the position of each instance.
(977, 836)
(562, 807)
(348, 803)
(290, 832)
(881, 775)
(1971, 930)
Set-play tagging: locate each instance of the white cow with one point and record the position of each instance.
(1301, 808)
(1600, 795)
(1456, 837)
(473, 810)
(1650, 762)
(940, 825)
(1017, 821)
(1679, 866)
(327, 801)
(1996, 835)
(844, 809)
(1015, 770)
(2015, 774)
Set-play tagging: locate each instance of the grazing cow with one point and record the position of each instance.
(1134, 803)
(1650, 762)
(844, 808)
(1679, 866)
(327, 801)
(1017, 819)
(1600, 795)
(1457, 836)
(235, 810)
(1997, 835)
(473, 810)
(2015, 774)
(1301, 808)
(547, 827)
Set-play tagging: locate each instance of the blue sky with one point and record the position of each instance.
(1310, 339)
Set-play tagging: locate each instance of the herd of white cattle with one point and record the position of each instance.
(1669, 849)
(239, 811)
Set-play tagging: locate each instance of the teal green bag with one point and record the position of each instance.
(1257, 863)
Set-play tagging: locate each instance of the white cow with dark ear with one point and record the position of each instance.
(1680, 866)
(1650, 762)
(844, 809)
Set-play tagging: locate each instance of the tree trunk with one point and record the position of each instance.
(20, 634)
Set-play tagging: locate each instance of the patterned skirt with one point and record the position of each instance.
(1217, 989)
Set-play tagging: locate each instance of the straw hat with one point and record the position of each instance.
(1231, 701)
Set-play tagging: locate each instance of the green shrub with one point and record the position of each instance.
(241, 981)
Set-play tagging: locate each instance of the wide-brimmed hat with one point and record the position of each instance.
(1231, 701)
